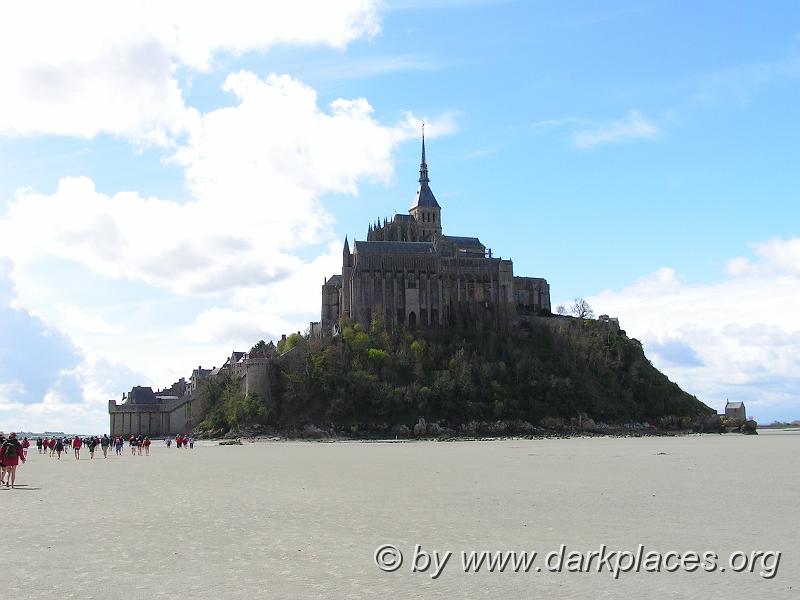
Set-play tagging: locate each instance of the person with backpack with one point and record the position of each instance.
(2, 470)
(91, 442)
(39, 444)
(58, 447)
(10, 455)
(105, 442)
(134, 443)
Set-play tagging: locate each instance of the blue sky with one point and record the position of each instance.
(176, 184)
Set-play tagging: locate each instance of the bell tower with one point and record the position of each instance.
(426, 210)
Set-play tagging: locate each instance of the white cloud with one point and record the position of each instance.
(100, 67)
(635, 126)
(738, 338)
(9, 391)
(257, 171)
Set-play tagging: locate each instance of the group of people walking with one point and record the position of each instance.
(181, 441)
(13, 450)
(55, 446)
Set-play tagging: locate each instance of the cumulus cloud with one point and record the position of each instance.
(76, 403)
(775, 256)
(46, 381)
(256, 171)
(100, 67)
(635, 126)
(738, 338)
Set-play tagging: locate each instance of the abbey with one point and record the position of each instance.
(408, 272)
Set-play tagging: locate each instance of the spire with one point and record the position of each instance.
(423, 165)
(346, 257)
(425, 196)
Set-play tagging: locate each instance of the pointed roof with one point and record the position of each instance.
(424, 197)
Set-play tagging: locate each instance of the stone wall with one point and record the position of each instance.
(258, 377)
(154, 420)
(532, 294)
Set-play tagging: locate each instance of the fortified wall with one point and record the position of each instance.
(178, 409)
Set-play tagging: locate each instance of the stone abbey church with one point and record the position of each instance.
(408, 272)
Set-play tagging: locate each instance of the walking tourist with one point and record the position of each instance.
(118, 445)
(52, 445)
(134, 443)
(76, 446)
(10, 455)
(3, 440)
(105, 442)
(25, 445)
(58, 447)
(39, 444)
(146, 444)
(92, 443)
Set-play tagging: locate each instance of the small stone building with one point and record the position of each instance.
(735, 410)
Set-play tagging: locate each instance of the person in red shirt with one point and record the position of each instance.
(10, 455)
(146, 444)
(25, 445)
(52, 446)
(76, 446)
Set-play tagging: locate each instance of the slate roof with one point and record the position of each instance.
(393, 247)
(335, 280)
(734, 405)
(425, 197)
(142, 395)
(463, 241)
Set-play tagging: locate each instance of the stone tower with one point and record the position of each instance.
(347, 276)
(426, 210)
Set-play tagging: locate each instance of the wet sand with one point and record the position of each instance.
(303, 519)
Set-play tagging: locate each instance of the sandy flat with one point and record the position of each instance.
(303, 519)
